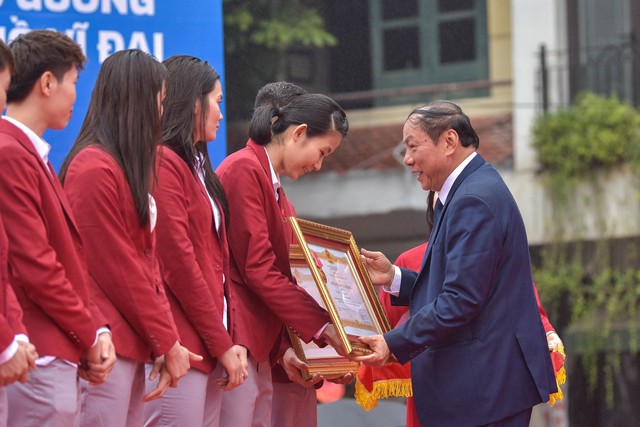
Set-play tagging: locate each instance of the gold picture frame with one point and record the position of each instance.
(324, 361)
(342, 282)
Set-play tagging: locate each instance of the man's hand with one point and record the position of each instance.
(330, 334)
(381, 355)
(98, 362)
(293, 366)
(380, 269)
(17, 368)
(554, 341)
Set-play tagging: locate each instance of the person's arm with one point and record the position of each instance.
(254, 255)
(34, 264)
(543, 314)
(180, 268)
(390, 278)
(467, 280)
(17, 355)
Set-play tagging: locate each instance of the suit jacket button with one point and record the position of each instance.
(147, 252)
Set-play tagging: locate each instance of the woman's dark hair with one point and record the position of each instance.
(438, 116)
(124, 119)
(320, 113)
(278, 93)
(6, 58)
(188, 80)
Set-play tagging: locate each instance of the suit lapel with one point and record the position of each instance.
(26, 143)
(261, 154)
(473, 165)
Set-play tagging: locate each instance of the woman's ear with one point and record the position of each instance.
(299, 131)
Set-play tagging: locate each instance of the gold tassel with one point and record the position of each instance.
(381, 390)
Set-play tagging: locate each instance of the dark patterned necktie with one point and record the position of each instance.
(437, 211)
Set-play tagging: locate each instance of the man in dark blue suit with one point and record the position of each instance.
(475, 340)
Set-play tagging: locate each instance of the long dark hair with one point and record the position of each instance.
(190, 79)
(124, 119)
(320, 113)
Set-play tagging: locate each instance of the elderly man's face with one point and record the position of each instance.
(424, 157)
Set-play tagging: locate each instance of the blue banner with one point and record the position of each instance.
(102, 27)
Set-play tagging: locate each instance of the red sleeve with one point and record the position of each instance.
(180, 268)
(6, 334)
(112, 257)
(34, 264)
(12, 324)
(14, 312)
(254, 255)
(412, 258)
(543, 315)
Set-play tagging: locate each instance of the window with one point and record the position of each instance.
(423, 42)
(395, 9)
(454, 5)
(457, 41)
(401, 49)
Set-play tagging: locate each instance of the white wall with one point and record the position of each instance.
(610, 207)
(533, 23)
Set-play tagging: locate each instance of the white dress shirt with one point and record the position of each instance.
(394, 288)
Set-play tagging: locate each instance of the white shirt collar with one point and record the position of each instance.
(41, 146)
(275, 179)
(448, 183)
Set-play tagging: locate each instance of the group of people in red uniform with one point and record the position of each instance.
(140, 287)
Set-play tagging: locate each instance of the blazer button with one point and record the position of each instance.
(147, 252)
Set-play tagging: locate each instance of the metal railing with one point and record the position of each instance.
(606, 70)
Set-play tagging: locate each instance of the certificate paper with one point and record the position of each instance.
(334, 275)
(325, 361)
(344, 291)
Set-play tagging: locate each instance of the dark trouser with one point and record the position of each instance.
(521, 419)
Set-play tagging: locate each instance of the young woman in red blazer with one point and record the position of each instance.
(107, 176)
(192, 246)
(290, 141)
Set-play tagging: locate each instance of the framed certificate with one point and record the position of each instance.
(324, 361)
(337, 278)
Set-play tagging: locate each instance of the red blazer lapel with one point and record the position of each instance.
(261, 154)
(24, 140)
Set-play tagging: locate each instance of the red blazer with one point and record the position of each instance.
(46, 263)
(10, 311)
(193, 259)
(259, 239)
(125, 279)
